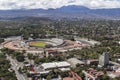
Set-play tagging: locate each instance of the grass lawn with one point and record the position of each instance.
(38, 44)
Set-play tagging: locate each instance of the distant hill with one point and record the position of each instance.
(64, 12)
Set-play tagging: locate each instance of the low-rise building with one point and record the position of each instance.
(54, 53)
(75, 76)
(92, 61)
(68, 78)
(92, 74)
(113, 74)
(45, 68)
(75, 61)
(54, 65)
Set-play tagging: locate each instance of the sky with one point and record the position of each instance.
(46, 4)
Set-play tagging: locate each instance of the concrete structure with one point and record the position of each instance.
(57, 44)
(45, 68)
(75, 61)
(88, 42)
(13, 38)
(49, 66)
(104, 59)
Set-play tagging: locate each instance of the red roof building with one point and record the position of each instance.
(68, 78)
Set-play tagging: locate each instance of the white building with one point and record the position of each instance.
(13, 38)
(48, 66)
(104, 59)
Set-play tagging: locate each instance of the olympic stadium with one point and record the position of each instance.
(42, 44)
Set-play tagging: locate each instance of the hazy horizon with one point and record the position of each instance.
(47, 4)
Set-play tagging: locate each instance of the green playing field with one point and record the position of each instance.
(38, 44)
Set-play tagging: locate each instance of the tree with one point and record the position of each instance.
(4, 68)
(105, 77)
(82, 75)
(20, 58)
(49, 77)
(30, 56)
(1, 40)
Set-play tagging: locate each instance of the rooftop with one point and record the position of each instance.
(48, 65)
(93, 73)
(68, 78)
(55, 64)
(113, 74)
(75, 61)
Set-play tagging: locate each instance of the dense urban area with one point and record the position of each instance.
(34, 48)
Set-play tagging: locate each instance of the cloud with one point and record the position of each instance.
(46, 4)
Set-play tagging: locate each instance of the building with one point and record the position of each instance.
(75, 76)
(104, 59)
(50, 52)
(75, 61)
(45, 68)
(92, 61)
(113, 74)
(117, 55)
(13, 38)
(54, 65)
(92, 74)
(54, 53)
(118, 60)
(118, 70)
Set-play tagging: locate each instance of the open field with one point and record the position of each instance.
(38, 44)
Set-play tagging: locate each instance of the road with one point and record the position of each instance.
(117, 64)
(15, 66)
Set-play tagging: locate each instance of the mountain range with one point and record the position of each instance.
(64, 12)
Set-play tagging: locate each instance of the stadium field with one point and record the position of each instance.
(38, 44)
